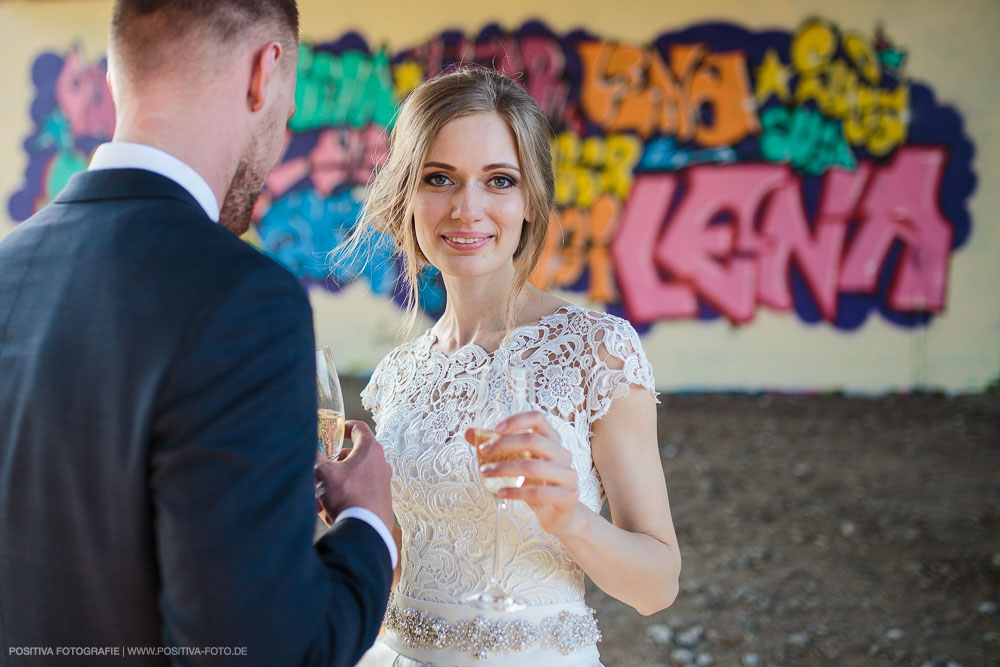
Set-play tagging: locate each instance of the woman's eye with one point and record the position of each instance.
(502, 182)
(437, 180)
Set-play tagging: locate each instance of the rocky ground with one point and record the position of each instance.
(823, 530)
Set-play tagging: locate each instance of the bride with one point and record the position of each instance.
(468, 188)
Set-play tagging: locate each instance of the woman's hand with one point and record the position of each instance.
(550, 482)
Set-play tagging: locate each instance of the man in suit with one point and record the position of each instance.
(157, 382)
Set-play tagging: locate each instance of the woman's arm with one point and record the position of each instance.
(635, 559)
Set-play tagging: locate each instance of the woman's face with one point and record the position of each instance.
(470, 204)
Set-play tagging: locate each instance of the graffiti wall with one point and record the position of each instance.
(709, 177)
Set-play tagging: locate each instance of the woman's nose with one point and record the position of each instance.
(468, 204)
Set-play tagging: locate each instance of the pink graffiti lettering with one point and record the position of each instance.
(341, 156)
(902, 206)
(436, 54)
(647, 295)
(500, 53)
(537, 60)
(737, 229)
(83, 95)
(817, 255)
(544, 66)
(287, 172)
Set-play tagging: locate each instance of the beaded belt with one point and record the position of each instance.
(552, 630)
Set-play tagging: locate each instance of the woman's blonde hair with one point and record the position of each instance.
(389, 207)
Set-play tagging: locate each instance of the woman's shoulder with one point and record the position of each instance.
(597, 317)
(390, 369)
(597, 325)
(604, 348)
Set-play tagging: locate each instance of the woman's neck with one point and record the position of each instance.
(475, 312)
(479, 316)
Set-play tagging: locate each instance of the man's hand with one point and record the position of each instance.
(359, 479)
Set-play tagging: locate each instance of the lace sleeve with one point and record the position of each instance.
(620, 363)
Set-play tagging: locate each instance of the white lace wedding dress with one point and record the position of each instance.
(422, 402)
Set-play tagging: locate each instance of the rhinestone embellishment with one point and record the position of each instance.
(481, 637)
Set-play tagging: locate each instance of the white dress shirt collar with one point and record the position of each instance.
(128, 155)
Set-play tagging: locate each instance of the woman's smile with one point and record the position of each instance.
(466, 242)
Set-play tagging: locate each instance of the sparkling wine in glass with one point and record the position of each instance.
(494, 484)
(330, 432)
(493, 596)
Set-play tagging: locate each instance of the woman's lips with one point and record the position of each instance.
(466, 243)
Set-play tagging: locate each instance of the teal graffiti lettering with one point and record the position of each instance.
(804, 138)
(352, 88)
(663, 154)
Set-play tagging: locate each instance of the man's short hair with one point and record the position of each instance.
(138, 26)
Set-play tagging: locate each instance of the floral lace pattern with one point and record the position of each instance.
(422, 402)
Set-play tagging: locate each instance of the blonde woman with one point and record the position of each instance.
(468, 188)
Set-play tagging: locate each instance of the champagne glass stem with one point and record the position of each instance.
(501, 506)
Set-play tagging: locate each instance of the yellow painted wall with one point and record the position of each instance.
(952, 48)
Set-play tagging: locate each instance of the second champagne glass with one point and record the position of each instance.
(493, 596)
(329, 413)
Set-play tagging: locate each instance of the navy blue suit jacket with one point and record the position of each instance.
(157, 441)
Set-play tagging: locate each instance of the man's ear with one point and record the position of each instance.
(111, 87)
(265, 62)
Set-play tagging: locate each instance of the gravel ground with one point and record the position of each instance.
(823, 530)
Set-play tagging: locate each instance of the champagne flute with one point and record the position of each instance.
(493, 596)
(329, 413)
(330, 406)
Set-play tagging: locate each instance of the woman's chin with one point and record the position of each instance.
(471, 267)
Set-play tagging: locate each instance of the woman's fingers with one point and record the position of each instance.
(532, 446)
(535, 471)
(528, 421)
(535, 444)
(541, 495)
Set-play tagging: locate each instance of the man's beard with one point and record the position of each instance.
(236, 213)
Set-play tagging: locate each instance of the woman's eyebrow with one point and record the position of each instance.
(490, 167)
(500, 165)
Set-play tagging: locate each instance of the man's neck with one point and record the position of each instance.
(195, 144)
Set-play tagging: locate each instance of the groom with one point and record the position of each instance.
(157, 383)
